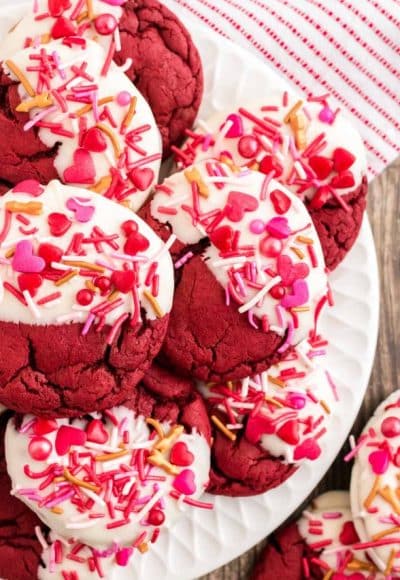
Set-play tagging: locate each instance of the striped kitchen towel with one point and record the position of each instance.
(348, 48)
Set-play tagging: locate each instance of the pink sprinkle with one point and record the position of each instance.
(27, 426)
(38, 117)
(89, 321)
(332, 515)
(362, 440)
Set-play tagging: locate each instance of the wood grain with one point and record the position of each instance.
(384, 214)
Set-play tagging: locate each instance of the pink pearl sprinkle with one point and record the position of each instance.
(123, 98)
(257, 226)
(326, 115)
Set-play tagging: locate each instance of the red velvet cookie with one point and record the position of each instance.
(86, 291)
(307, 146)
(266, 425)
(19, 547)
(144, 37)
(250, 274)
(323, 541)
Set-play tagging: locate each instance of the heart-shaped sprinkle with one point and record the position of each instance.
(59, 224)
(24, 260)
(308, 449)
(343, 180)
(269, 165)
(222, 238)
(180, 455)
(342, 159)
(29, 186)
(289, 272)
(278, 227)
(379, 461)
(83, 212)
(300, 295)
(280, 201)
(236, 128)
(82, 170)
(258, 425)
(30, 282)
(390, 427)
(184, 482)
(44, 426)
(123, 280)
(122, 556)
(248, 146)
(50, 253)
(296, 401)
(135, 243)
(96, 432)
(322, 195)
(62, 27)
(39, 448)
(289, 432)
(129, 226)
(142, 178)
(67, 436)
(94, 140)
(57, 7)
(238, 203)
(322, 166)
(348, 535)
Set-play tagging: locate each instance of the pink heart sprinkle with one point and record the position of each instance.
(308, 449)
(296, 400)
(184, 482)
(29, 186)
(25, 261)
(299, 296)
(236, 130)
(83, 213)
(379, 461)
(278, 227)
(82, 170)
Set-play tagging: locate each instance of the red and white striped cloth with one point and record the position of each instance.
(349, 48)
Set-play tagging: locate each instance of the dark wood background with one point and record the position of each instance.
(384, 214)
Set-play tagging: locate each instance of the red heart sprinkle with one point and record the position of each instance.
(59, 224)
(269, 164)
(68, 436)
(62, 27)
(348, 535)
(57, 7)
(185, 483)
(309, 449)
(96, 432)
(94, 140)
(236, 129)
(222, 238)
(39, 448)
(135, 243)
(142, 178)
(123, 280)
(44, 426)
(379, 461)
(82, 170)
(280, 201)
(289, 272)
(322, 195)
(50, 253)
(343, 180)
(29, 186)
(238, 203)
(180, 455)
(129, 226)
(322, 166)
(342, 159)
(390, 427)
(257, 426)
(30, 282)
(289, 432)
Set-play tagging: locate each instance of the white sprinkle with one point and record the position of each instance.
(31, 305)
(58, 266)
(245, 387)
(278, 329)
(221, 135)
(127, 65)
(40, 538)
(82, 525)
(117, 39)
(233, 427)
(98, 447)
(229, 261)
(300, 170)
(204, 127)
(71, 317)
(260, 294)
(128, 258)
(165, 248)
(156, 497)
(52, 304)
(94, 496)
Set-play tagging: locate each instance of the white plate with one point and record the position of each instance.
(204, 540)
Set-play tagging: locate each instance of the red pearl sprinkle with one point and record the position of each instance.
(277, 292)
(156, 517)
(390, 427)
(84, 297)
(105, 24)
(103, 283)
(248, 146)
(40, 448)
(129, 226)
(270, 247)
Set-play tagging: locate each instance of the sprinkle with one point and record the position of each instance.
(69, 477)
(107, 131)
(304, 240)
(83, 264)
(21, 77)
(292, 111)
(223, 428)
(39, 101)
(129, 115)
(248, 305)
(111, 456)
(154, 303)
(372, 494)
(298, 252)
(40, 537)
(65, 278)
(157, 426)
(115, 328)
(193, 176)
(325, 406)
(31, 305)
(89, 107)
(30, 207)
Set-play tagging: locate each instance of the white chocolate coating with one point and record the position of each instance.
(153, 484)
(124, 148)
(103, 214)
(374, 484)
(250, 186)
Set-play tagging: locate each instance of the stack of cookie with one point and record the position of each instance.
(160, 339)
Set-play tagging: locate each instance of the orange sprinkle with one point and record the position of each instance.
(154, 303)
(57, 510)
(371, 496)
(304, 240)
(328, 575)
(69, 477)
(112, 137)
(388, 495)
(45, 38)
(298, 124)
(156, 458)
(102, 185)
(292, 111)
(65, 278)
(390, 563)
(276, 381)
(82, 16)
(384, 533)
(298, 252)
(223, 428)
(29, 207)
(39, 101)
(114, 294)
(90, 286)
(110, 456)
(355, 564)
(143, 547)
(325, 406)
(131, 113)
(166, 442)
(21, 77)
(10, 253)
(300, 309)
(86, 265)
(193, 176)
(274, 402)
(229, 384)
(157, 426)
(89, 5)
(89, 106)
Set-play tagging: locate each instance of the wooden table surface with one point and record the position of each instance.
(384, 214)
